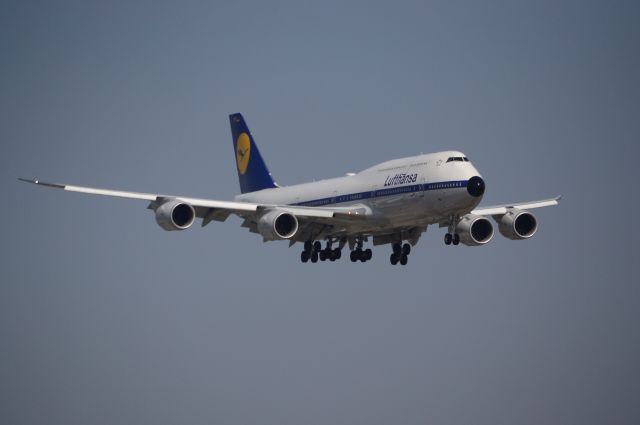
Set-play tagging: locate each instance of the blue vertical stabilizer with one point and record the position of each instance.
(252, 171)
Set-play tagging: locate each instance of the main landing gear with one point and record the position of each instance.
(400, 253)
(360, 254)
(313, 251)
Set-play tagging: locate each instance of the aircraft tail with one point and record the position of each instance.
(252, 171)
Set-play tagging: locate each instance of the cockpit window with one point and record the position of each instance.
(458, 158)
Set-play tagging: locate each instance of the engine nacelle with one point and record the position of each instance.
(474, 230)
(517, 224)
(277, 224)
(175, 215)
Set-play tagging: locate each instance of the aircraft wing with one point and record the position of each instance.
(211, 209)
(502, 209)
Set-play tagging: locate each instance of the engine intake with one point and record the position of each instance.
(474, 230)
(276, 224)
(175, 215)
(517, 224)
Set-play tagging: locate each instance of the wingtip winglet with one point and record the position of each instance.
(41, 183)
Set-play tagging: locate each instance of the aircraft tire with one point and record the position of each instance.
(367, 254)
(406, 249)
(456, 239)
(353, 256)
(338, 253)
(397, 248)
(404, 259)
(393, 259)
(304, 256)
(359, 255)
(314, 257)
(447, 239)
(317, 246)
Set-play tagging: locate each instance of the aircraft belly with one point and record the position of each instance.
(398, 211)
(405, 212)
(448, 201)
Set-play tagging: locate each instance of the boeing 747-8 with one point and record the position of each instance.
(388, 203)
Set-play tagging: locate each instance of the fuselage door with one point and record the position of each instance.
(374, 200)
(421, 187)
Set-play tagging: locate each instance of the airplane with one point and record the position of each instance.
(389, 203)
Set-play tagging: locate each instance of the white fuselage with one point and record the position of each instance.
(413, 191)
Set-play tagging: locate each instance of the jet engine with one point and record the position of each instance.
(474, 230)
(175, 215)
(277, 224)
(517, 224)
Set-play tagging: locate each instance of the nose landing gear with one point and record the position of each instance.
(451, 237)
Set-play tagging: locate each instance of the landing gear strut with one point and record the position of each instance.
(400, 253)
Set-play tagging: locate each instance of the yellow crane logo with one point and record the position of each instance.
(243, 150)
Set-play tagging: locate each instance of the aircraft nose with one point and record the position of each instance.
(475, 186)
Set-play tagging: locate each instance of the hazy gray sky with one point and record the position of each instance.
(107, 319)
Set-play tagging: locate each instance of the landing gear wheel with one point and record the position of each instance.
(367, 254)
(393, 259)
(332, 255)
(317, 246)
(304, 256)
(322, 255)
(397, 248)
(314, 257)
(404, 259)
(456, 239)
(406, 249)
(353, 256)
(447, 239)
(337, 252)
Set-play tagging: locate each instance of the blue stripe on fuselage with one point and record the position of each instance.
(380, 193)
